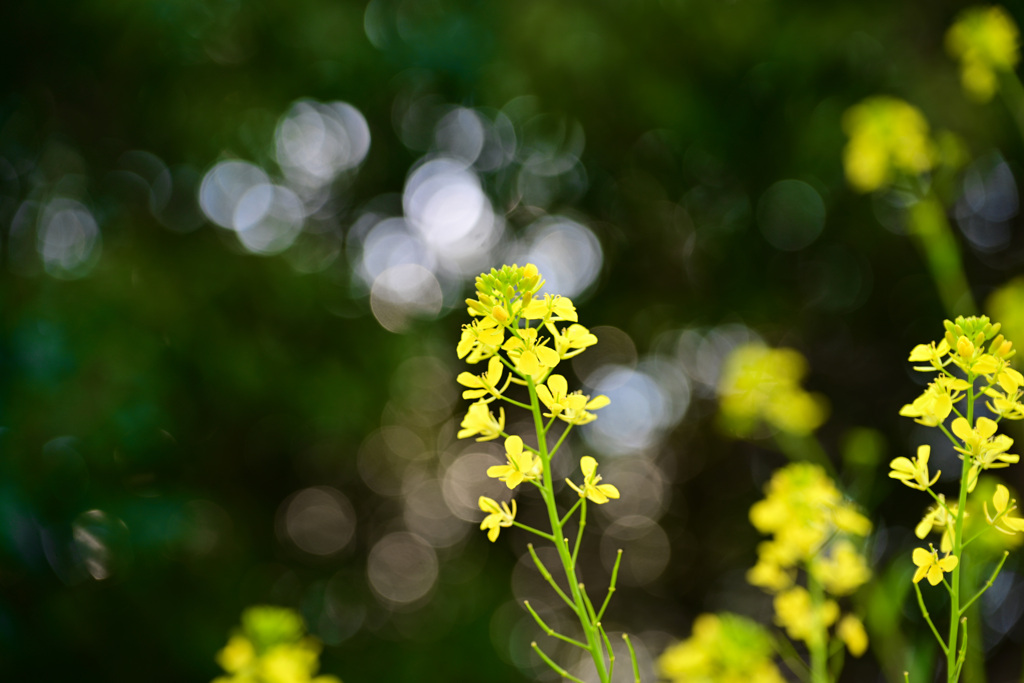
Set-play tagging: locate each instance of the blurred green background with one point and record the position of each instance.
(234, 239)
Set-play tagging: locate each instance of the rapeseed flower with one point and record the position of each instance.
(795, 611)
(929, 564)
(485, 384)
(1002, 519)
(497, 516)
(761, 383)
(592, 489)
(522, 464)
(986, 42)
(851, 631)
(480, 420)
(888, 139)
(723, 648)
(914, 473)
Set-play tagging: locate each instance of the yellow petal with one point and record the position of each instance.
(1001, 498)
(962, 428)
(588, 466)
(922, 557)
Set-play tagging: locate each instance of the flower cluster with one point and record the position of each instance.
(888, 138)
(972, 362)
(986, 41)
(813, 529)
(523, 337)
(724, 648)
(271, 647)
(761, 383)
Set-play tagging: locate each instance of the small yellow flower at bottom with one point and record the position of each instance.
(497, 517)
(592, 490)
(851, 631)
(929, 564)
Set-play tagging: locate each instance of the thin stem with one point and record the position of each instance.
(611, 586)
(550, 579)
(558, 444)
(927, 617)
(632, 655)
(542, 534)
(557, 669)
(579, 532)
(550, 631)
(571, 510)
(818, 647)
(608, 649)
(561, 545)
(988, 584)
(952, 668)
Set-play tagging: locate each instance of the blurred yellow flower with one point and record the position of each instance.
(843, 570)
(851, 631)
(795, 612)
(723, 648)
(271, 648)
(940, 516)
(761, 383)
(986, 41)
(888, 138)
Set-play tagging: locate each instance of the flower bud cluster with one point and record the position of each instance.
(722, 647)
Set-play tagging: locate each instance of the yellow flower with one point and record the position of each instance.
(985, 448)
(723, 648)
(577, 407)
(929, 564)
(985, 40)
(936, 403)
(530, 355)
(592, 490)
(939, 516)
(888, 138)
(554, 394)
(794, 611)
(572, 341)
(914, 473)
(932, 354)
(851, 631)
(487, 383)
(843, 571)
(551, 309)
(497, 516)
(480, 339)
(1004, 507)
(237, 655)
(480, 420)
(760, 383)
(522, 465)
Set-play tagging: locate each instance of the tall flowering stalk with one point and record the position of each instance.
(972, 362)
(523, 337)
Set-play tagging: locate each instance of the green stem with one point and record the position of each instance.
(988, 584)
(928, 618)
(819, 646)
(935, 238)
(593, 639)
(632, 653)
(955, 613)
